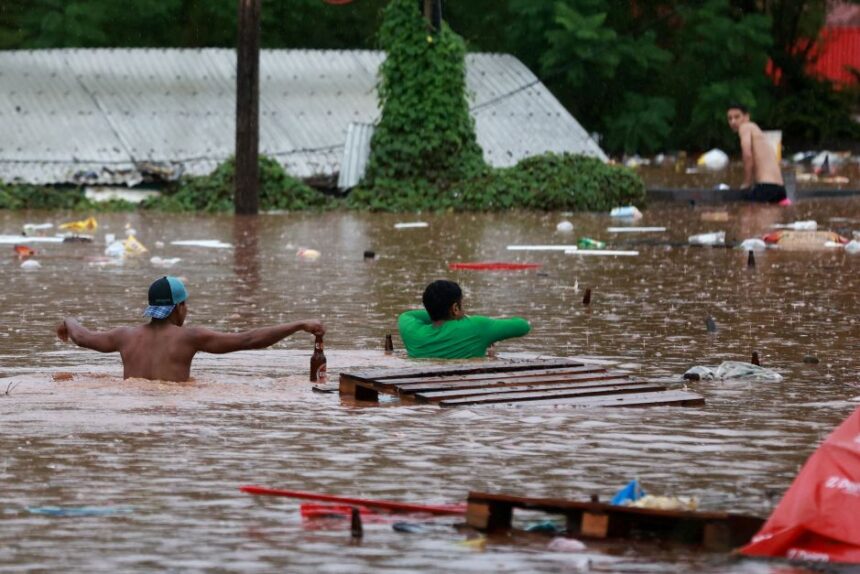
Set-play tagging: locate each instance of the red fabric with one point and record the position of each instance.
(819, 516)
(493, 266)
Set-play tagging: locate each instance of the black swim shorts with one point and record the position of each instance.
(765, 192)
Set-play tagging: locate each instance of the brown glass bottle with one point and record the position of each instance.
(318, 362)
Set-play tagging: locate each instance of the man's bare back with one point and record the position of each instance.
(759, 157)
(163, 349)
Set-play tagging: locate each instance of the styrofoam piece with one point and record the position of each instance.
(635, 229)
(616, 252)
(541, 247)
(212, 243)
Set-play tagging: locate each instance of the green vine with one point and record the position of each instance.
(426, 134)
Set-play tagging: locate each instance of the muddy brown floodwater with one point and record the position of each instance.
(173, 455)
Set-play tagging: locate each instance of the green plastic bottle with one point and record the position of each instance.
(589, 243)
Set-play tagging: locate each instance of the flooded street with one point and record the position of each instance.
(172, 456)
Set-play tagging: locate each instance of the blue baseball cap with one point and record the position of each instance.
(165, 294)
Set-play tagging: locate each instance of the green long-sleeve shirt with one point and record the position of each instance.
(456, 339)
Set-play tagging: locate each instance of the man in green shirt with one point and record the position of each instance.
(444, 331)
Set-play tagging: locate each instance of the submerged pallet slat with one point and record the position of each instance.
(719, 531)
(432, 396)
(535, 382)
(507, 397)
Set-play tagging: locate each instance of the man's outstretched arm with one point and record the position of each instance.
(210, 341)
(106, 342)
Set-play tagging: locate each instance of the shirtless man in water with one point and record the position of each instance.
(163, 349)
(762, 177)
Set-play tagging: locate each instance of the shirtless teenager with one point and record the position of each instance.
(762, 177)
(162, 349)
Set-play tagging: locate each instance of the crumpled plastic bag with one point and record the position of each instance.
(666, 502)
(735, 370)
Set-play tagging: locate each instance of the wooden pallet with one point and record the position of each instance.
(535, 382)
(719, 531)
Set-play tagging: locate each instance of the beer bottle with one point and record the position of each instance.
(318, 361)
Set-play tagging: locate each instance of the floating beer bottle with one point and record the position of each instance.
(318, 361)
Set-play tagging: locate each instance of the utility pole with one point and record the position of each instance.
(432, 10)
(246, 197)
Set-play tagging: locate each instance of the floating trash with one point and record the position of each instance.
(88, 224)
(689, 503)
(493, 266)
(31, 228)
(31, 264)
(564, 227)
(603, 252)
(589, 243)
(23, 251)
(541, 247)
(308, 254)
(734, 370)
(626, 212)
(208, 243)
(20, 239)
(635, 229)
(713, 160)
(713, 238)
(808, 225)
(852, 246)
(411, 225)
(631, 492)
(753, 244)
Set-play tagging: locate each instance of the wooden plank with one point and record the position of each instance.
(435, 396)
(561, 393)
(714, 530)
(659, 398)
(507, 375)
(489, 516)
(465, 368)
(502, 382)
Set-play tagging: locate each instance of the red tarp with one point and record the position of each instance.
(818, 519)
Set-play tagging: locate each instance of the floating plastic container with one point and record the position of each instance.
(589, 243)
(626, 212)
(713, 238)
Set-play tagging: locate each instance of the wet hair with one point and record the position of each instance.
(438, 298)
(738, 106)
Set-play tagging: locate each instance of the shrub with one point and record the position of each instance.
(213, 193)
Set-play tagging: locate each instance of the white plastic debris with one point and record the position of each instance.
(30, 265)
(753, 244)
(735, 370)
(542, 247)
(852, 246)
(722, 187)
(562, 544)
(411, 225)
(115, 249)
(164, 261)
(713, 238)
(601, 252)
(308, 254)
(209, 243)
(714, 160)
(31, 228)
(564, 226)
(109, 238)
(635, 229)
(808, 225)
(626, 212)
(689, 503)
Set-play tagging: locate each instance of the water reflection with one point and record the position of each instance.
(246, 262)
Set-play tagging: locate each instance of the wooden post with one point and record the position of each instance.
(246, 197)
(432, 10)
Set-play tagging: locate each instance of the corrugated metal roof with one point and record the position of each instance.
(112, 115)
(355, 155)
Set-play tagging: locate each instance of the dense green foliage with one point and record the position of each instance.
(546, 182)
(426, 133)
(15, 196)
(213, 193)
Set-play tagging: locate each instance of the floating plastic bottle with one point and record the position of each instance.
(713, 238)
(589, 243)
(626, 212)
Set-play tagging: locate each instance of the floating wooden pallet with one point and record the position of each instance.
(535, 382)
(720, 531)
